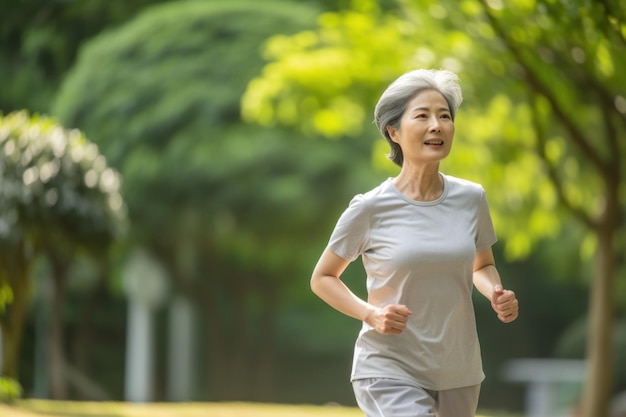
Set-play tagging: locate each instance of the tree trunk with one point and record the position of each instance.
(57, 357)
(264, 381)
(82, 342)
(598, 384)
(12, 334)
(12, 328)
(239, 369)
(215, 351)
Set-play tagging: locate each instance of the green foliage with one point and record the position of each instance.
(172, 75)
(243, 210)
(6, 294)
(57, 197)
(161, 97)
(542, 128)
(39, 40)
(504, 138)
(237, 213)
(10, 390)
(55, 182)
(325, 81)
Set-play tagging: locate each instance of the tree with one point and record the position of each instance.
(555, 68)
(546, 118)
(40, 40)
(224, 205)
(58, 198)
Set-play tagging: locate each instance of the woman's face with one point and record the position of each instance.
(426, 128)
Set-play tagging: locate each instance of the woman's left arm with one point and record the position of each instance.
(487, 281)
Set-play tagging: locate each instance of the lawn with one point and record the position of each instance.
(39, 408)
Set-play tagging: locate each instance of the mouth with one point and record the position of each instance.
(434, 142)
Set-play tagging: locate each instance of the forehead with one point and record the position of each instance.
(428, 99)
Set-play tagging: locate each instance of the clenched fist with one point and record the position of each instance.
(505, 304)
(390, 319)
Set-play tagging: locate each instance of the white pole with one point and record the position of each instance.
(139, 353)
(145, 283)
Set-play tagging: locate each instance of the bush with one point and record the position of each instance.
(10, 390)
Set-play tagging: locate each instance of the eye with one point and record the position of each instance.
(446, 116)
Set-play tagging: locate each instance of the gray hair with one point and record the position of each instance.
(392, 103)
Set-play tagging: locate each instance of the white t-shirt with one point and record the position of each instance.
(419, 254)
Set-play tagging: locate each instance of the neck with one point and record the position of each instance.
(420, 185)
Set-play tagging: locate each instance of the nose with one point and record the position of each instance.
(435, 126)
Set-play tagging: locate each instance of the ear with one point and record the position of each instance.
(392, 133)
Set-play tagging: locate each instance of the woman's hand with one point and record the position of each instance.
(390, 319)
(505, 304)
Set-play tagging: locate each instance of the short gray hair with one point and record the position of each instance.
(392, 103)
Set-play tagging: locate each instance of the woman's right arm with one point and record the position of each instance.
(326, 284)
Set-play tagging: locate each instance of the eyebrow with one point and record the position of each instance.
(446, 109)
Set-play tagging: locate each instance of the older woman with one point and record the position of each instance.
(425, 239)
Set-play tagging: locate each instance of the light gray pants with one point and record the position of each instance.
(385, 397)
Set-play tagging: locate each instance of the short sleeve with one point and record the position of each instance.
(485, 232)
(348, 239)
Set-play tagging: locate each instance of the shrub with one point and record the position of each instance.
(10, 390)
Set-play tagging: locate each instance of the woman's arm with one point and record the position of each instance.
(487, 281)
(326, 283)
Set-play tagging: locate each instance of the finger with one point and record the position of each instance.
(398, 325)
(508, 317)
(507, 303)
(510, 304)
(402, 317)
(390, 318)
(497, 292)
(398, 319)
(392, 327)
(402, 310)
(507, 296)
(507, 312)
(394, 323)
(390, 312)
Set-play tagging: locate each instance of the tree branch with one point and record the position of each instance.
(612, 124)
(615, 155)
(610, 11)
(577, 136)
(553, 173)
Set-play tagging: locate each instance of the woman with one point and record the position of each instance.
(424, 239)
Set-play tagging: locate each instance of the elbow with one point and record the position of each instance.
(315, 283)
(319, 284)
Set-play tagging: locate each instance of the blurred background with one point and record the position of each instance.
(171, 170)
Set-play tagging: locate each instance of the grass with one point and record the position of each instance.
(45, 408)
(39, 408)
